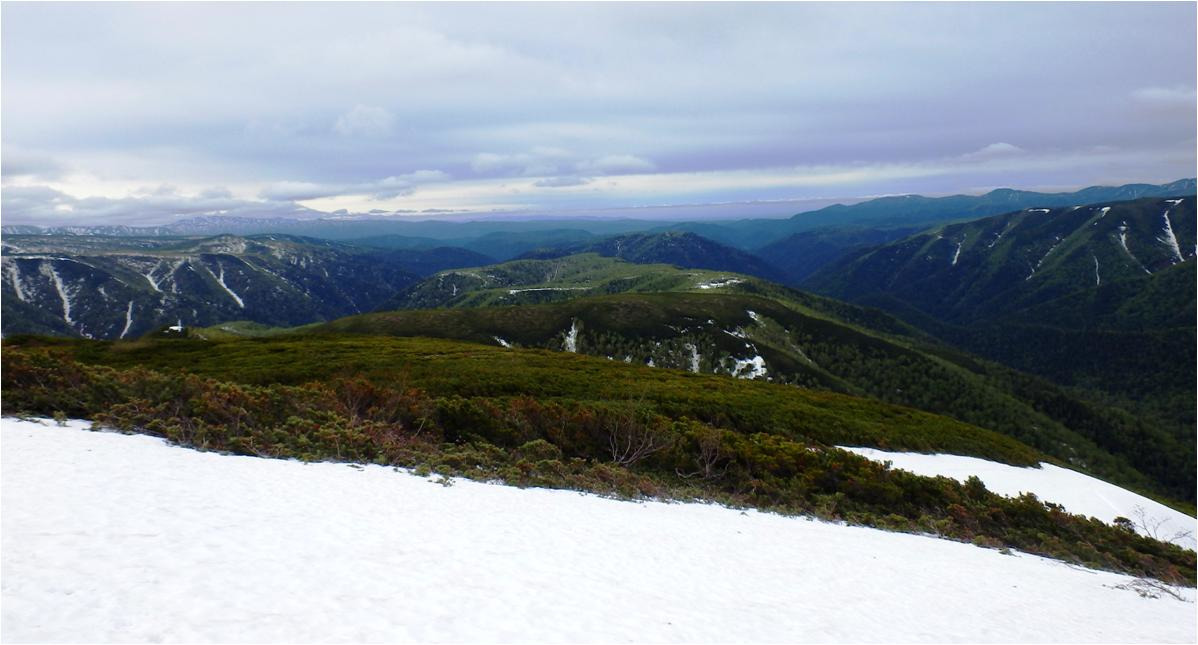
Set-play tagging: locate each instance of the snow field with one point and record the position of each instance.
(110, 537)
(1077, 493)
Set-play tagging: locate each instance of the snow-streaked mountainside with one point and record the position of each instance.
(1076, 492)
(122, 287)
(977, 270)
(110, 537)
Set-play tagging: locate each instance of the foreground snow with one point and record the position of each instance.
(108, 537)
(1077, 493)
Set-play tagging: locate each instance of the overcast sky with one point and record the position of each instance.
(143, 113)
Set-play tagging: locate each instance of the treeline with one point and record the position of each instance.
(631, 447)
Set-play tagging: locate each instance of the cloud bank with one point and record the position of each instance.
(285, 108)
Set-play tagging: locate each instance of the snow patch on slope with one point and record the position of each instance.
(1123, 243)
(512, 292)
(571, 344)
(150, 278)
(13, 273)
(118, 538)
(1078, 493)
(221, 279)
(48, 269)
(694, 357)
(128, 320)
(502, 342)
(1170, 239)
(1044, 257)
(716, 284)
(749, 368)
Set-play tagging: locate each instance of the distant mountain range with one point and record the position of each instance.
(906, 211)
(1099, 297)
(122, 287)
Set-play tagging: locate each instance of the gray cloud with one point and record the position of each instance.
(20, 163)
(365, 121)
(314, 101)
(562, 182)
(42, 205)
(385, 188)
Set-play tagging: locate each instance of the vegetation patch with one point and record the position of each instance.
(661, 434)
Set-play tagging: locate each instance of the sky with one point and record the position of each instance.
(144, 113)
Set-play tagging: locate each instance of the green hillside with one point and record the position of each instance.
(820, 343)
(1099, 299)
(535, 417)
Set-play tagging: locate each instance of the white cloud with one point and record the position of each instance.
(399, 185)
(562, 182)
(365, 121)
(537, 162)
(44, 206)
(616, 164)
(298, 190)
(21, 163)
(1175, 95)
(385, 188)
(994, 150)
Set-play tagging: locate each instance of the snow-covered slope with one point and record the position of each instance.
(1076, 492)
(108, 537)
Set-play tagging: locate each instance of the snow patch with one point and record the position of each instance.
(1123, 242)
(694, 358)
(513, 292)
(61, 289)
(755, 316)
(1170, 240)
(150, 278)
(1078, 493)
(205, 547)
(128, 320)
(957, 254)
(717, 283)
(502, 342)
(13, 273)
(1044, 257)
(749, 368)
(221, 279)
(572, 337)
(1097, 278)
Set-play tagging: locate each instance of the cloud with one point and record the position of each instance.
(45, 206)
(399, 185)
(561, 182)
(308, 101)
(216, 192)
(537, 162)
(616, 164)
(365, 121)
(299, 191)
(19, 163)
(1176, 95)
(385, 188)
(994, 150)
